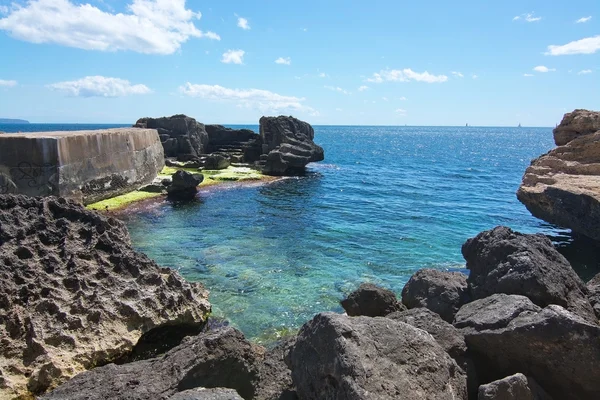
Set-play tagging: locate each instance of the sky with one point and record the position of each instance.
(379, 62)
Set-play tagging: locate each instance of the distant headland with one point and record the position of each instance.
(13, 121)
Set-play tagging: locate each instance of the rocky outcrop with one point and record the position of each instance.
(184, 185)
(207, 394)
(593, 287)
(76, 295)
(179, 134)
(216, 162)
(504, 261)
(440, 291)
(563, 186)
(239, 145)
(288, 143)
(514, 387)
(341, 357)
(371, 301)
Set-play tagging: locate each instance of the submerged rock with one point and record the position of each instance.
(514, 387)
(371, 301)
(76, 295)
(179, 134)
(440, 291)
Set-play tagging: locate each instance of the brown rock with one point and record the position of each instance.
(371, 301)
(575, 124)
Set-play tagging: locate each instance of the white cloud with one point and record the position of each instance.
(457, 74)
(148, 26)
(233, 57)
(363, 88)
(528, 17)
(583, 20)
(385, 99)
(475, 76)
(339, 109)
(406, 75)
(99, 86)
(3, 10)
(284, 61)
(402, 98)
(583, 46)
(401, 111)
(262, 100)
(528, 75)
(243, 23)
(542, 68)
(8, 83)
(585, 72)
(337, 89)
(322, 75)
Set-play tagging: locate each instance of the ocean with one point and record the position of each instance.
(386, 202)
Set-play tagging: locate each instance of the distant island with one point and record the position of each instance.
(13, 121)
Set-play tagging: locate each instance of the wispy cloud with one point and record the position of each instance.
(337, 89)
(583, 20)
(99, 86)
(542, 68)
(401, 111)
(474, 76)
(585, 72)
(284, 61)
(7, 83)
(527, 75)
(458, 74)
(233, 57)
(527, 17)
(322, 75)
(243, 23)
(583, 46)
(363, 88)
(148, 26)
(405, 75)
(262, 100)
(385, 99)
(402, 98)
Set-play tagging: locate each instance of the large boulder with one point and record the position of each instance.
(563, 186)
(289, 144)
(216, 359)
(179, 134)
(275, 376)
(514, 387)
(504, 261)
(207, 394)
(442, 292)
(75, 294)
(341, 357)
(372, 301)
(594, 294)
(184, 185)
(560, 350)
(216, 162)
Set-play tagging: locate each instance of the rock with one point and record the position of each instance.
(179, 134)
(75, 294)
(341, 357)
(560, 350)
(514, 387)
(371, 301)
(217, 359)
(184, 185)
(275, 376)
(504, 261)
(562, 187)
(289, 145)
(440, 291)
(218, 136)
(576, 124)
(216, 161)
(207, 394)
(594, 294)
(153, 188)
(7, 186)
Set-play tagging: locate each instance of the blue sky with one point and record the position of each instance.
(327, 62)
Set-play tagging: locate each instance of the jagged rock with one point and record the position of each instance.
(509, 334)
(371, 301)
(514, 387)
(440, 291)
(289, 145)
(207, 394)
(7, 186)
(217, 359)
(275, 376)
(504, 261)
(593, 287)
(184, 185)
(216, 161)
(563, 186)
(218, 135)
(341, 357)
(179, 134)
(75, 294)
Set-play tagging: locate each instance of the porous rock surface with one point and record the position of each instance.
(207, 394)
(504, 261)
(341, 357)
(594, 294)
(563, 186)
(514, 387)
(442, 292)
(372, 301)
(179, 134)
(75, 294)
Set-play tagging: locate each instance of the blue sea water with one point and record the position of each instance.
(386, 202)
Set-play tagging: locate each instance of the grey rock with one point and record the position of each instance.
(593, 287)
(440, 291)
(275, 376)
(207, 394)
(504, 261)
(341, 357)
(372, 301)
(216, 162)
(153, 188)
(514, 387)
(184, 185)
(576, 124)
(182, 134)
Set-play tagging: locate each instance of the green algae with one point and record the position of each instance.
(121, 201)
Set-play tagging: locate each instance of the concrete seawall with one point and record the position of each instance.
(86, 166)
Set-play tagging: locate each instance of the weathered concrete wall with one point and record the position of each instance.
(87, 166)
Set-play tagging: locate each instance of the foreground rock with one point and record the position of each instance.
(341, 357)
(288, 143)
(509, 334)
(563, 186)
(514, 387)
(76, 295)
(207, 394)
(184, 185)
(371, 301)
(180, 135)
(504, 261)
(594, 294)
(440, 291)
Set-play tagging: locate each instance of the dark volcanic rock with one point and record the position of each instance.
(371, 301)
(75, 294)
(289, 145)
(184, 185)
(440, 291)
(594, 294)
(207, 394)
(575, 124)
(514, 387)
(216, 161)
(503, 261)
(179, 134)
(219, 135)
(560, 350)
(341, 357)
(217, 359)
(275, 376)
